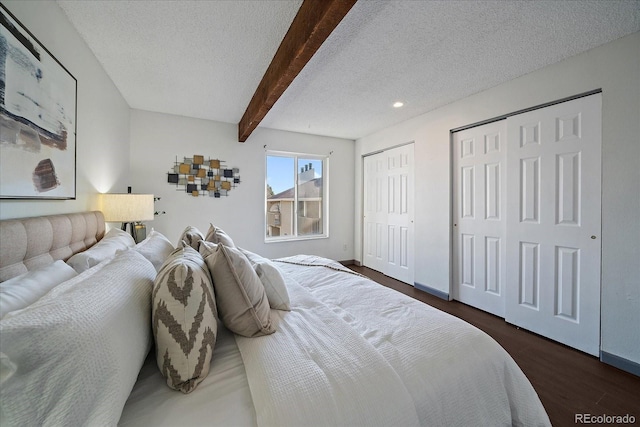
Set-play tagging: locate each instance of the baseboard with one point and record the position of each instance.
(620, 363)
(350, 262)
(430, 290)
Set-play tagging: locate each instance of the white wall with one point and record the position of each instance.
(156, 140)
(102, 114)
(614, 67)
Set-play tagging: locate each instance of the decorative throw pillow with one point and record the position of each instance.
(207, 248)
(191, 236)
(23, 290)
(272, 280)
(156, 248)
(112, 242)
(184, 319)
(241, 298)
(218, 236)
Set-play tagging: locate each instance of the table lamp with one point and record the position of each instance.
(128, 209)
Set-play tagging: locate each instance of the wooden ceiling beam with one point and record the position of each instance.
(312, 25)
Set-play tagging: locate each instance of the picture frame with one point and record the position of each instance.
(38, 115)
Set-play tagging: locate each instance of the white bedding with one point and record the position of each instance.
(222, 399)
(455, 373)
(351, 352)
(317, 370)
(79, 348)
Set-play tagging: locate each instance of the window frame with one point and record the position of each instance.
(324, 212)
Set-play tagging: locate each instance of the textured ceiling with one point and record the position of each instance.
(204, 59)
(199, 59)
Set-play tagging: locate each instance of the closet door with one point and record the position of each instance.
(375, 211)
(554, 222)
(388, 213)
(400, 214)
(479, 210)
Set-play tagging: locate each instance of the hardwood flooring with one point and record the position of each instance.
(568, 381)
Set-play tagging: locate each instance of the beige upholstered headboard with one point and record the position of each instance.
(28, 243)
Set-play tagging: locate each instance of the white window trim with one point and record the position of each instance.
(324, 214)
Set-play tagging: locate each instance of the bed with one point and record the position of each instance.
(344, 351)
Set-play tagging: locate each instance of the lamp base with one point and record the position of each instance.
(137, 229)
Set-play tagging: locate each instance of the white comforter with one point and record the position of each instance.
(453, 373)
(318, 370)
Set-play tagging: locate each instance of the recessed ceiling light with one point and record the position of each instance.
(398, 104)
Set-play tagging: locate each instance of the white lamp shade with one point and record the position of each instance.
(127, 207)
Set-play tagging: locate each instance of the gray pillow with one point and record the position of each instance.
(184, 319)
(218, 236)
(207, 248)
(241, 298)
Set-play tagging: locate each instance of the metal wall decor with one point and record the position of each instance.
(199, 177)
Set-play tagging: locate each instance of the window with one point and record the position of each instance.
(296, 196)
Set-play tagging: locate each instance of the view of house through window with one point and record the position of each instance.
(295, 196)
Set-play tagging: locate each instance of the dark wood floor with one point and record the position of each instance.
(568, 381)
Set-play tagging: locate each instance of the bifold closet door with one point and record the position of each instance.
(479, 209)
(554, 222)
(388, 213)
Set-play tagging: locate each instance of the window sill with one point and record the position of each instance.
(295, 238)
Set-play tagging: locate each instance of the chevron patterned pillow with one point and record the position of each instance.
(184, 319)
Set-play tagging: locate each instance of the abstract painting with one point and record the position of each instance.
(37, 118)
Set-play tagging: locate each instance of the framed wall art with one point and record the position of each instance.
(37, 118)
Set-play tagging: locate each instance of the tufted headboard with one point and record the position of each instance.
(28, 243)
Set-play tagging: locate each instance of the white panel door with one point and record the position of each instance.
(388, 213)
(553, 222)
(375, 212)
(479, 210)
(400, 213)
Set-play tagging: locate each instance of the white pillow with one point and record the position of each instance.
(23, 290)
(78, 350)
(106, 248)
(156, 248)
(272, 280)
